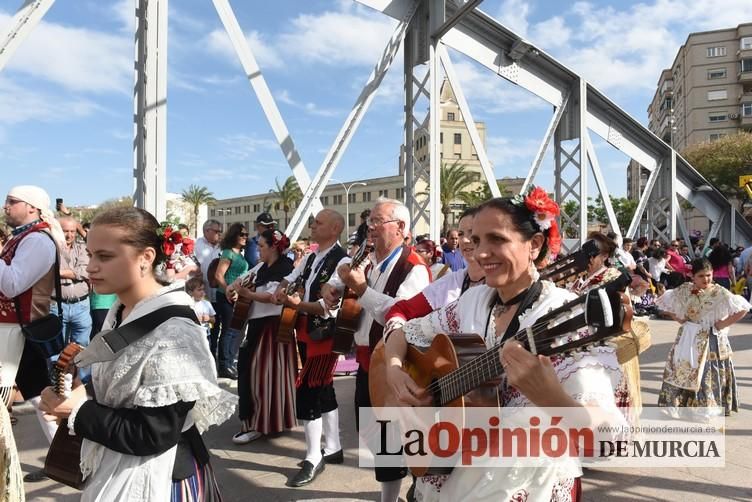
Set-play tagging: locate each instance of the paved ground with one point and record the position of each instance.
(258, 471)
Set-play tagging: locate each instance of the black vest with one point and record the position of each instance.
(323, 274)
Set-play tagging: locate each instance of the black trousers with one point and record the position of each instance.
(247, 349)
(363, 399)
(33, 375)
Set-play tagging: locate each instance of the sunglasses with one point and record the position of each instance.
(244, 234)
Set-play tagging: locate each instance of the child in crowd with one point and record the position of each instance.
(204, 310)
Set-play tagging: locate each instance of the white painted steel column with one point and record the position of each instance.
(264, 95)
(21, 24)
(436, 18)
(150, 144)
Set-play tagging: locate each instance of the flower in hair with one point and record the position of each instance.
(280, 241)
(543, 208)
(169, 238)
(187, 247)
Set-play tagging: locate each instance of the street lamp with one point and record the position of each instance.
(347, 202)
(224, 212)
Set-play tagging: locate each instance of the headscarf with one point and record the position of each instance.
(38, 198)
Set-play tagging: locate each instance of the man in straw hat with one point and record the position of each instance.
(27, 275)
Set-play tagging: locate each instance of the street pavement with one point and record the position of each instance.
(259, 470)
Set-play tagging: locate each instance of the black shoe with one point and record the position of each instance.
(338, 457)
(306, 474)
(35, 476)
(228, 373)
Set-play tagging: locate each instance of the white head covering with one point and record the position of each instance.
(37, 197)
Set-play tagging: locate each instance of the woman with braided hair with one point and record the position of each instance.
(266, 368)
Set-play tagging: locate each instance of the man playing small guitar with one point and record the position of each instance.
(395, 272)
(315, 401)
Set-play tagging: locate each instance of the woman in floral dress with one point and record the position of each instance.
(699, 371)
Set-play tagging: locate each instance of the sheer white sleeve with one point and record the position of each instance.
(420, 332)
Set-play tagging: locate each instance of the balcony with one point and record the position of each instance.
(745, 96)
(744, 76)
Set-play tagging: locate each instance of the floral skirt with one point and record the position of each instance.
(717, 385)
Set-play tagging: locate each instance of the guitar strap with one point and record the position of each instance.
(399, 273)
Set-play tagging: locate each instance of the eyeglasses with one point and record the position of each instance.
(244, 234)
(215, 230)
(377, 222)
(11, 202)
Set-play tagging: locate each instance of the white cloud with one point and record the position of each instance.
(267, 56)
(18, 104)
(513, 14)
(314, 109)
(243, 146)
(513, 155)
(222, 174)
(77, 58)
(283, 96)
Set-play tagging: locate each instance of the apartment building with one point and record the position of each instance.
(705, 95)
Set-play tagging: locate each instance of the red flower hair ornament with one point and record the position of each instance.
(280, 241)
(544, 211)
(169, 238)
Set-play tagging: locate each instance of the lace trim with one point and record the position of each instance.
(416, 332)
(213, 405)
(74, 414)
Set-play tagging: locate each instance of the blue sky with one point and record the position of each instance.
(66, 96)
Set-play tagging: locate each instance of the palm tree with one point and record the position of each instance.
(455, 181)
(287, 195)
(482, 194)
(196, 196)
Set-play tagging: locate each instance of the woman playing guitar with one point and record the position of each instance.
(511, 235)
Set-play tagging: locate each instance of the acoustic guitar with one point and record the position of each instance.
(64, 456)
(289, 315)
(459, 371)
(242, 306)
(571, 265)
(348, 317)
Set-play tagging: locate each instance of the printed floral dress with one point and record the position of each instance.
(699, 370)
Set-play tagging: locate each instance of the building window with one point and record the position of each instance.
(246, 209)
(400, 194)
(276, 206)
(667, 104)
(450, 116)
(366, 196)
(457, 138)
(745, 65)
(717, 117)
(717, 95)
(441, 138)
(325, 201)
(351, 197)
(716, 136)
(337, 200)
(351, 219)
(714, 52)
(213, 212)
(745, 43)
(237, 209)
(384, 193)
(716, 73)
(746, 109)
(458, 155)
(256, 208)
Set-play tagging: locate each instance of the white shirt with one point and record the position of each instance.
(202, 308)
(205, 253)
(34, 257)
(374, 302)
(626, 258)
(261, 309)
(317, 263)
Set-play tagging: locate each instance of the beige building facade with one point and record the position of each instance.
(705, 95)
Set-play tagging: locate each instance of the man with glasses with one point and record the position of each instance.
(395, 272)
(207, 249)
(680, 270)
(27, 276)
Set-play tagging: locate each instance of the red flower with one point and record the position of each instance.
(175, 237)
(554, 238)
(166, 233)
(168, 247)
(187, 248)
(538, 201)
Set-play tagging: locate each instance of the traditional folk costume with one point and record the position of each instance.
(26, 274)
(146, 409)
(699, 370)
(402, 274)
(315, 399)
(588, 377)
(628, 395)
(11, 478)
(266, 369)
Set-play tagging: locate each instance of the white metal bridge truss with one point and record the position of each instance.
(424, 31)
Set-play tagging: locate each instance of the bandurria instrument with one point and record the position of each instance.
(571, 265)
(242, 306)
(64, 456)
(348, 317)
(459, 371)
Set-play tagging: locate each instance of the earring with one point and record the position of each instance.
(143, 270)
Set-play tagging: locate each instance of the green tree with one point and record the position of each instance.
(570, 208)
(482, 194)
(624, 210)
(455, 181)
(195, 196)
(723, 161)
(287, 195)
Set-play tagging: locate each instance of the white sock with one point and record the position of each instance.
(331, 432)
(49, 428)
(390, 490)
(313, 429)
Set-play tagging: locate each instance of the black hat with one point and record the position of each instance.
(264, 219)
